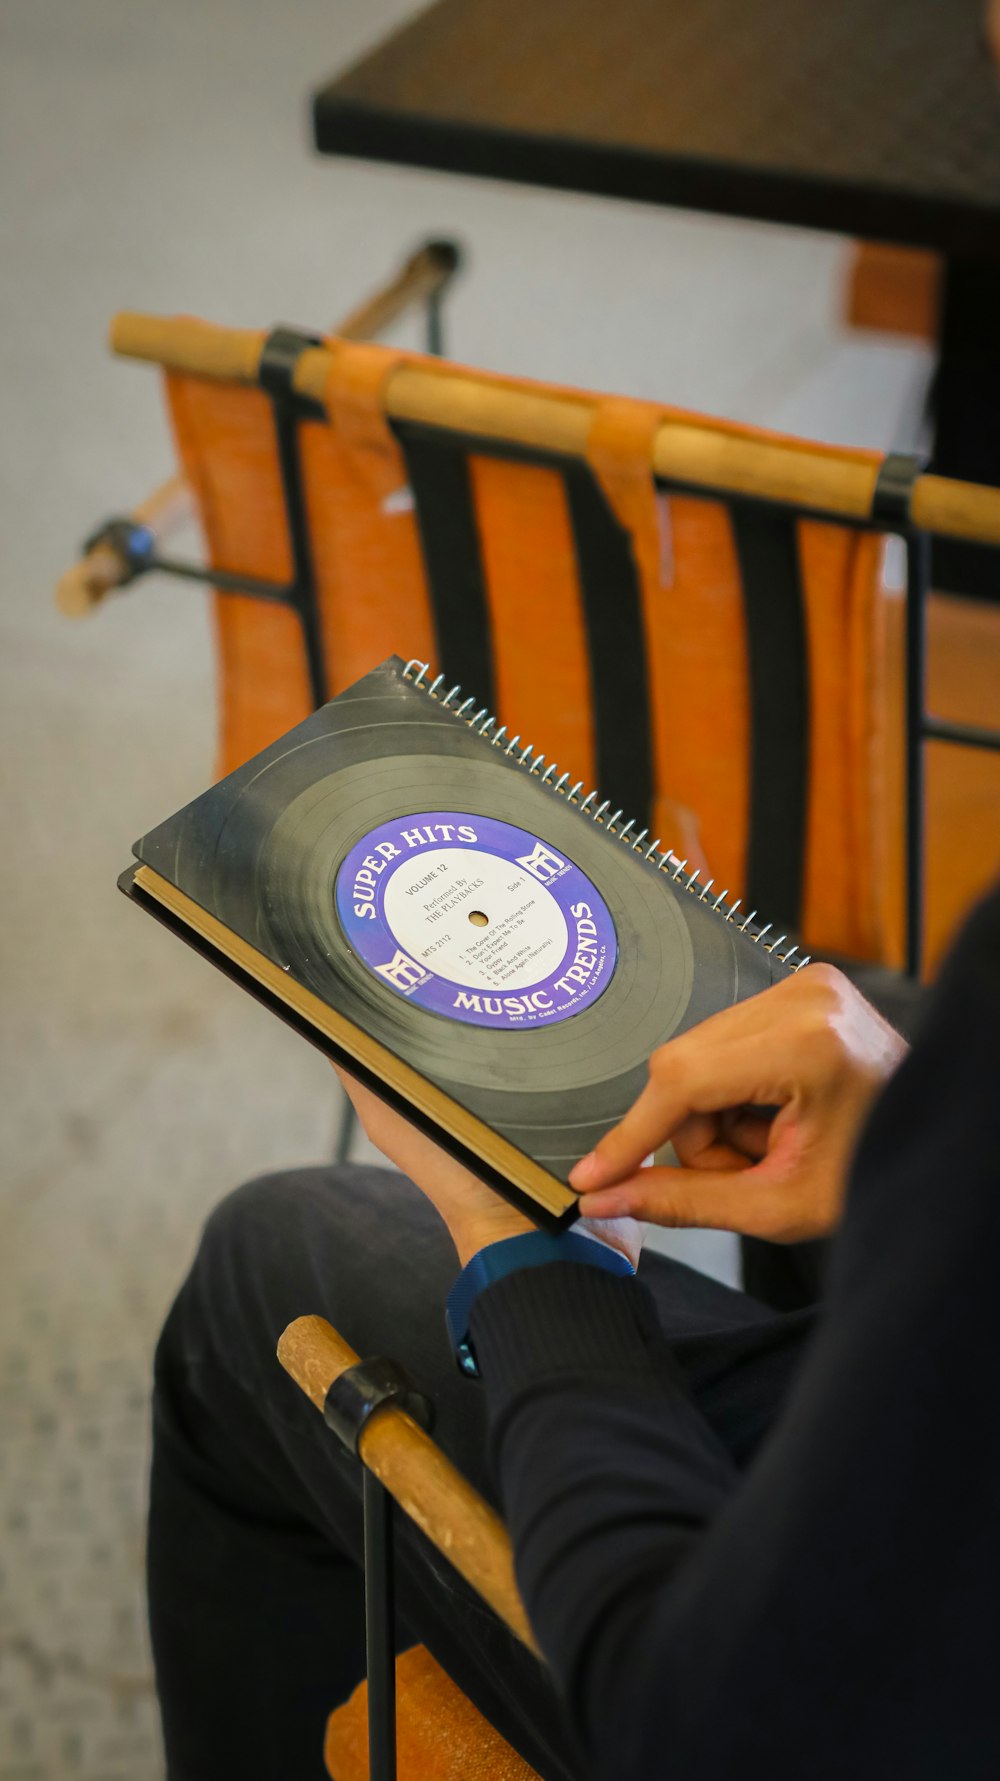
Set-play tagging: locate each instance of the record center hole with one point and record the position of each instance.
(478, 919)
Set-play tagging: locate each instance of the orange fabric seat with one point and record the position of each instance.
(440, 1735)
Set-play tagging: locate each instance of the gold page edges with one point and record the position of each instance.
(520, 1170)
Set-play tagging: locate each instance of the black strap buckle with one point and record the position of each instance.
(279, 356)
(356, 1395)
(894, 488)
(129, 540)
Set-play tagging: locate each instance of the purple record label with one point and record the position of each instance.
(476, 919)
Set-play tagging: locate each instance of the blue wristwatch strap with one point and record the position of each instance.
(535, 1249)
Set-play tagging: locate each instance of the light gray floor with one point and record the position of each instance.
(154, 154)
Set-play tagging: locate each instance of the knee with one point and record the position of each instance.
(264, 1222)
(244, 1240)
(277, 1247)
(251, 1271)
(250, 1219)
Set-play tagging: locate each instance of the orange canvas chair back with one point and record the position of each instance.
(713, 665)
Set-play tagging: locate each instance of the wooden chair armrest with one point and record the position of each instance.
(425, 1484)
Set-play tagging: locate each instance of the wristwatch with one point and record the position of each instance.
(534, 1249)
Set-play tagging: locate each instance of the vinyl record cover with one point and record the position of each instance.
(396, 863)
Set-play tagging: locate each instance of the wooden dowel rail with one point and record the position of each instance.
(425, 273)
(685, 451)
(953, 509)
(424, 1483)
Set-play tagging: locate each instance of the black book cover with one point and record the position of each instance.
(472, 919)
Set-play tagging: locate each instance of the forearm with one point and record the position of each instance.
(610, 1477)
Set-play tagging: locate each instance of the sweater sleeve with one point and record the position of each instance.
(830, 1612)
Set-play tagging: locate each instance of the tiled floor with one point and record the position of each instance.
(155, 155)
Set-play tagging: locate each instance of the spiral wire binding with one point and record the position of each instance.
(664, 860)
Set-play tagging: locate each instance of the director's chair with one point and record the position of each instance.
(689, 614)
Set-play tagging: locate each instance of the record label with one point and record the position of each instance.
(476, 919)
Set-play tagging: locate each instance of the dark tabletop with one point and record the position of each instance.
(869, 117)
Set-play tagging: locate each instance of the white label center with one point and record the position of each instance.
(430, 898)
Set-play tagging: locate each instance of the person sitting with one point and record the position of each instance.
(750, 1542)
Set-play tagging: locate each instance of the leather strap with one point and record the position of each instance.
(354, 403)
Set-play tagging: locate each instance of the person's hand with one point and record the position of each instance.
(473, 1213)
(763, 1103)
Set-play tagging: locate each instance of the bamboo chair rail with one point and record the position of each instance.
(425, 1484)
(682, 451)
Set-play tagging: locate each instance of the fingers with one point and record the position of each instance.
(647, 1124)
(748, 1130)
(724, 1200)
(757, 1052)
(761, 1101)
(726, 1140)
(708, 1070)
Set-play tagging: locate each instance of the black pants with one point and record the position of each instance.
(256, 1601)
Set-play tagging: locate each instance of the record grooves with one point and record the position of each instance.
(451, 905)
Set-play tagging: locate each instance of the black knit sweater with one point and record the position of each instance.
(835, 1610)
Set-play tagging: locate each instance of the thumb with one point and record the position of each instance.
(741, 1199)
